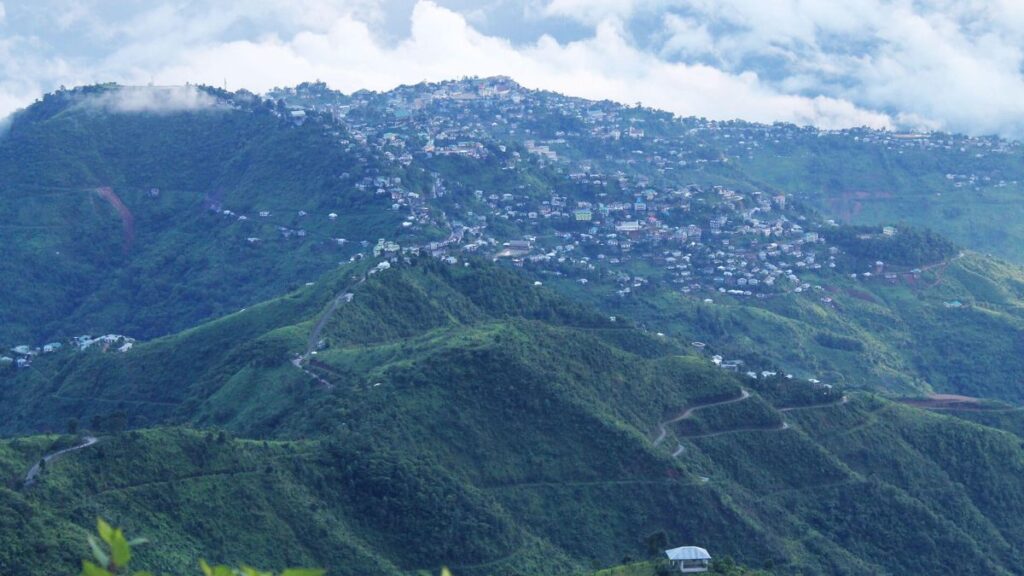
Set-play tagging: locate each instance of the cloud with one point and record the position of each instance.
(949, 64)
(158, 100)
(443, 45)
(592, 11)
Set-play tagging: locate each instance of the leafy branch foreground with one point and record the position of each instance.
(113, 556)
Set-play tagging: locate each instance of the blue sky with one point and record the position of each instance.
(927, 64)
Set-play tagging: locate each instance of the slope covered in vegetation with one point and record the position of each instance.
(116, 219)
(462, 416)
(955, 327)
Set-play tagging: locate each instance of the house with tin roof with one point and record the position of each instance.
(689, 559)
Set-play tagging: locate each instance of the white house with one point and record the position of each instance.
(689, 559)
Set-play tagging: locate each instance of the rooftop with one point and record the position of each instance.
(687, 553)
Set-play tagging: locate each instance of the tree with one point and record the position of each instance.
(117, 421)
(657, 542)
(73, 426)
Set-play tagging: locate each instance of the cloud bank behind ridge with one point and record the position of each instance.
(894, 64)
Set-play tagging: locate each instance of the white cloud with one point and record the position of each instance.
(592, 11)
(952, 64)
(159, 100)
(443, 45)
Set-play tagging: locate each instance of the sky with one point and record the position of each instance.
(953, 65)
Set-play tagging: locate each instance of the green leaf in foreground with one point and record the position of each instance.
(121, 552)
(102, 558)
(90, 569)
(104, 529)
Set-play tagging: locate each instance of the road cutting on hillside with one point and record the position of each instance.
(37, 468)
(744, 394)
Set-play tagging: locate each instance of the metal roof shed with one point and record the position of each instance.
(689, 559)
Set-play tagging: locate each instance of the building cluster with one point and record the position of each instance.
(23, 354)
(580, 188)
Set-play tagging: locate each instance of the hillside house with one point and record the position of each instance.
(689, 559)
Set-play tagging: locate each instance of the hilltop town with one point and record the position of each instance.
(598, 193)
(585, 189)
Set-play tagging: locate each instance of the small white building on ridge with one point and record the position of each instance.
(689, 559)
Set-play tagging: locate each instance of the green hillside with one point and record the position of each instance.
(293, 401)
(74, 264)
(952, 328)
(857, 182)
(462, 416)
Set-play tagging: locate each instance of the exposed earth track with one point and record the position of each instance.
(313, 341)
(663, 427)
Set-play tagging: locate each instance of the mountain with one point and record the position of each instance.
(506, 331)
(117, 221)
(460, 415)
(145, 210)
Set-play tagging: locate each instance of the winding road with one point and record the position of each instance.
(779, 428)
(842, 401)
(663, 427)
(36, 469)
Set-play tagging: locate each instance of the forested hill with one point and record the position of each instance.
(145, 210)
(461, 415)
(114, 214)
(506, 331)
